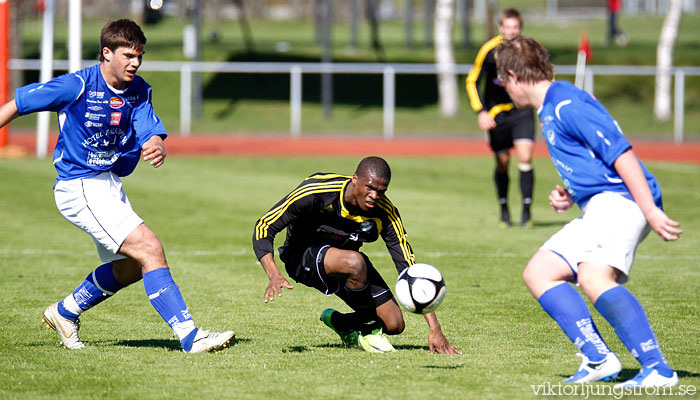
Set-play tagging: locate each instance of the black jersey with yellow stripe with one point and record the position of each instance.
(493, 98)
(315, 214)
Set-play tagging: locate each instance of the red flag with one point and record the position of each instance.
(583, 45)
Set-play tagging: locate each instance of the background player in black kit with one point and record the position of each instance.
(508, 126)
(328, 217)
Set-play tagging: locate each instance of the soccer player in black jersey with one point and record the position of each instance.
(508, 126)
(328, 217)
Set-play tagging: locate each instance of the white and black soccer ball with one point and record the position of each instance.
(420, 288)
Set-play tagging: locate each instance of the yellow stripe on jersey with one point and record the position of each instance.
(327, 176)
(399, 229)
(472, 92)
(303, 191)
(499, 108)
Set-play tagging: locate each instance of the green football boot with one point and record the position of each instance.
(376, 342)
(349, 338)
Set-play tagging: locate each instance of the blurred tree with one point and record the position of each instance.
(664, 60)
(445, 59)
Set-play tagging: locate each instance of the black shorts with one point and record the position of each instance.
(510, 126)
(307, 268)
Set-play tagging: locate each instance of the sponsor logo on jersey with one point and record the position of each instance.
(551, 138)
(96, 101)
(92, 140)
(102, 158)
(94, 108)
(89, 124)
(94, 117)
(96, 95)
(116, 102)
(115, 118)
(562, 166)
(132, 99)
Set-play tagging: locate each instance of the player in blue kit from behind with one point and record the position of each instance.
(621, 203)
(106, 124)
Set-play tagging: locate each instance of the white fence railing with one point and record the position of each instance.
(296, 70)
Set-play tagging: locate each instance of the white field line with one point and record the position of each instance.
(249, 252)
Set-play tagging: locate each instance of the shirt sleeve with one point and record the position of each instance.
(53, 95)
(279, 217)
(395, 237)
(473, 80)
(590, 123)
(146, 123)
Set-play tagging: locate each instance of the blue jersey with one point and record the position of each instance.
(584, 142)
(101, 128)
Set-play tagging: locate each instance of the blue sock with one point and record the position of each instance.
(627, 317)
(566, 306)
(97, 287)
(165, 296)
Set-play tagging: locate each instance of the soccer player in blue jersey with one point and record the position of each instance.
(621, 203)
(106, 124)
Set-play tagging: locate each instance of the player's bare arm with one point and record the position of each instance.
(8, 112)
(277, 281)
(631, 173)
(560, 199)
(154, 151)
(436, 339)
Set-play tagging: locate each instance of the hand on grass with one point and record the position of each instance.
(276, 285)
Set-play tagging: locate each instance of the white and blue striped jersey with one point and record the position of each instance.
(101, 128)
(584, 142)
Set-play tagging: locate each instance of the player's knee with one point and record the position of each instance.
(525, 167)
(355, 267)
(143, 245)
(394, 324)
(531, 274)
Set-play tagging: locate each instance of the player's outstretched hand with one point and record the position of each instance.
(438, 342)
(663, 225)
(154, 151)
(276, 285)
(560, 200)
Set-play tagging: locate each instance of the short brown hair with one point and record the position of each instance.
(510, 13)
(121, 33)
(526, 58)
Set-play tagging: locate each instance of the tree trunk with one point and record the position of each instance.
(444, 58)
(664, 61)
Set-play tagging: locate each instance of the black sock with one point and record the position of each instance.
(362, 302)
(527, 182)
(501, 179)
(345, 322)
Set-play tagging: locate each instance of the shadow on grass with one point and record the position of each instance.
(165, 344)
(629, 373)
(443, 366)
(544, 224)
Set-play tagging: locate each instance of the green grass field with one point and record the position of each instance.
(203, 210)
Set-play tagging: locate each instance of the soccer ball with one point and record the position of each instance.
(420, 288)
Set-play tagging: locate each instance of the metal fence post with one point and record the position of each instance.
(389, 97)
(678, 105)
(186, 99)
(295, 101)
